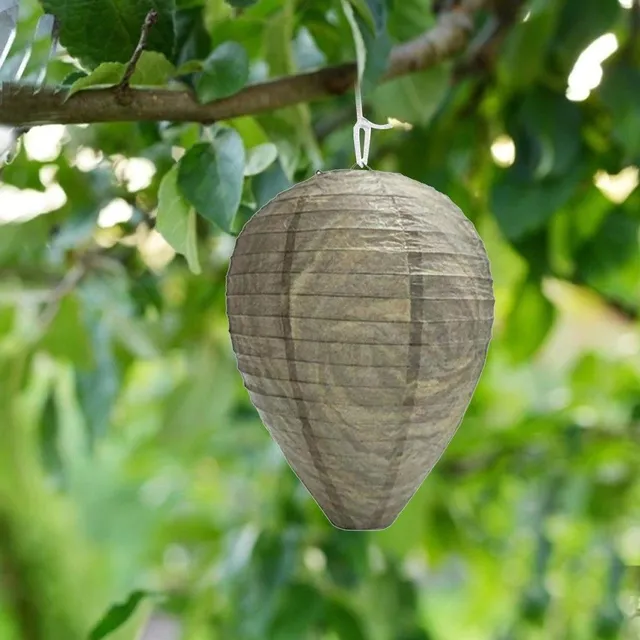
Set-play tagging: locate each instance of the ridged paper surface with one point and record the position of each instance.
(360, 308)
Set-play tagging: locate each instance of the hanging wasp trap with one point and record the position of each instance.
(360, 307)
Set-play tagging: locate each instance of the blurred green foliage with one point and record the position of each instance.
(136, 481)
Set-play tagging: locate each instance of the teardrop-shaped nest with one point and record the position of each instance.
(360, 307)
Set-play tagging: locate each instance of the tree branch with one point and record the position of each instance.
(18, 105)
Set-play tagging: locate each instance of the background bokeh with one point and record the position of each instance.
(134, 470)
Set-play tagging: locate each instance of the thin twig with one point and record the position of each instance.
(149, 21)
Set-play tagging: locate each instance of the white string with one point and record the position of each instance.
(365, 126)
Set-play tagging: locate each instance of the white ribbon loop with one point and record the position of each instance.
(364, 125)
(362, 151)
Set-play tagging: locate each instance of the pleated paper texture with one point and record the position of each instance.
(360, 308)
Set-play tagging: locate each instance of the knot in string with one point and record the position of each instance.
(363, 125)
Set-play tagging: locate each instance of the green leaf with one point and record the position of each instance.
(49, 436)
(363, 7)
(278, 38)
(110, 292)
(529, 322)
(596, 17)
(193, 41)
(526, 46)
(549, 165)
(260, 158)
(107, 31)
(106, 74)
(593, 209)
(67, 337)
(117, 616)
(245, 213)
(110, 137)
(226, 71)
(189, 67)
(211, 175)
(414, 98)
(610, 262)
(250, 131)
(373, 13)
(573, 225)
(153, 69)
(98, 386)
(522, 207)
(22, 243)
(561, 241)
(620, 92)
(547, 134)
(72, 77)
(241, 4)
(343, 621)
(286, 135)
(23, 172)
(308, 604)
(176, 220)
(277, 41)
(269, 184)
(408, 20)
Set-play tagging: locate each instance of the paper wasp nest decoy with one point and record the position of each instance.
(360, 307)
